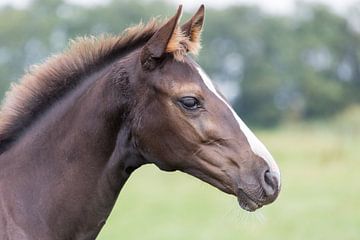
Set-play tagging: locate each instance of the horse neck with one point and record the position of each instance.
(81, 152)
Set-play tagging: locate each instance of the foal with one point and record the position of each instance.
(75, 128)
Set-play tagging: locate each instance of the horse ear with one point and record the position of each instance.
(166, 40)
(192, 30)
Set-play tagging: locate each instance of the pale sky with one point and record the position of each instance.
(270, 6)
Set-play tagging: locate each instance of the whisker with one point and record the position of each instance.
(260, 217)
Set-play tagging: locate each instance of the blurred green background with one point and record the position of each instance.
(294, 78)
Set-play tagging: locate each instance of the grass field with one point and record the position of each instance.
(320, 197)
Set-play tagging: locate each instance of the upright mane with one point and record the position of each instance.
(43, 84)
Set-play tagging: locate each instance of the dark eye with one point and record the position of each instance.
(189, 103)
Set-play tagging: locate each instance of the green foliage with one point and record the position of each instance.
(348, 121)
(283, 68)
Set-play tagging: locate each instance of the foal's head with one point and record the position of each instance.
(184, 123)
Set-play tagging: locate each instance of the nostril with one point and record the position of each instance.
(271, 184)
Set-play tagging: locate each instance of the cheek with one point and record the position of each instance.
(210, 128)
(163, 136)
(206, 128)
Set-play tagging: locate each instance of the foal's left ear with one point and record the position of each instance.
(192, 30)
(166, 40)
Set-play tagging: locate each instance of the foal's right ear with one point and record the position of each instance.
(165, 40)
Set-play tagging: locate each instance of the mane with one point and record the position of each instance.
(43, 84)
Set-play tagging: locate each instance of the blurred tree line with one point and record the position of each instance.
(273, 68)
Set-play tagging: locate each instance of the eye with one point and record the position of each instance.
(190, 103)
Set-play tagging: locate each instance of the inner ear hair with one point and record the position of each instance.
(173, 39)
(165, 40)
(192, 31)
(178, 44)
(187, 38)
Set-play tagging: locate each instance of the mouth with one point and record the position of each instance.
(246, 202)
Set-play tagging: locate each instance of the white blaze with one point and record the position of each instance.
(256, 146)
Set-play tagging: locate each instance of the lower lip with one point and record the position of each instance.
(246, 203)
